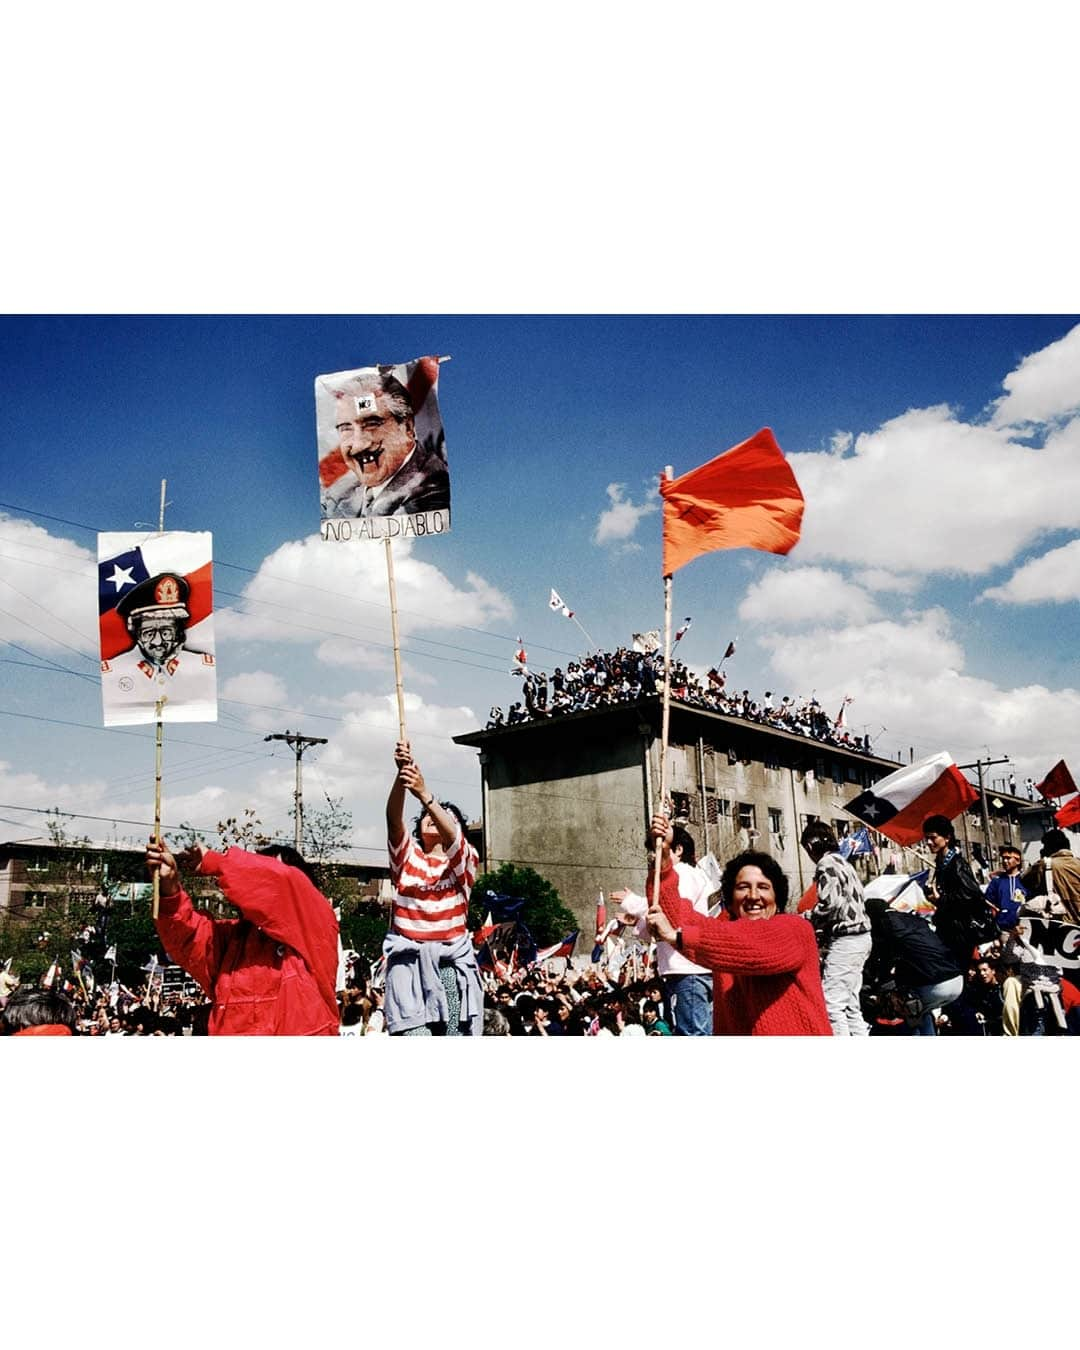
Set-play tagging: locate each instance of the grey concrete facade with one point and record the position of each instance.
(571, 796)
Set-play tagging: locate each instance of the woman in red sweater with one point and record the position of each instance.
(766, 974)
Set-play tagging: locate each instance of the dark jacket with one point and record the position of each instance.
(962, 917)
(908, 947)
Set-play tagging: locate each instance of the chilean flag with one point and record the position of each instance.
(900, 802)
(563, 948)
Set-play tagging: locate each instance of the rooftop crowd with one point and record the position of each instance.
(626, 675)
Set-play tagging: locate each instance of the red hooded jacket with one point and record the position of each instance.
(271, 972)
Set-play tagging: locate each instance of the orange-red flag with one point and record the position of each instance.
(744, 498)
(1069, 814)
(1057, 783)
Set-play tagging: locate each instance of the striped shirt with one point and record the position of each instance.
(431, 900)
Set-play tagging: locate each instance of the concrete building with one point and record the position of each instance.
(571, 796)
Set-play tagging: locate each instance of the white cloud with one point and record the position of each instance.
(48, 591)
(877, 579)
(620, 520)
(1045, 386)
(805, 595)
(929, 493)
(311, 591)
(908, 677)
(1053, 577)
(841, 442)
(257, 687)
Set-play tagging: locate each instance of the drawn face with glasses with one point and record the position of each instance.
(158, 638)
(376, 435)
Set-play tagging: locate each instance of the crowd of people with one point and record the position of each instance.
(626, 675)
(841, 964)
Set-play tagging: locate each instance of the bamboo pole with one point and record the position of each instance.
(397, 642)
(664, 723)
(159, 746)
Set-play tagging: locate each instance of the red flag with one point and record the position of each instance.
(808, 899)
(1057, 783)
(1069, 814)
(744, 498)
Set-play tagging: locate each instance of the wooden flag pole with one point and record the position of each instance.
(158, 749)
(664, 722)
(397, 642)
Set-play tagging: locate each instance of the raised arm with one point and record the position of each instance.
(190, 938)
(410, 776)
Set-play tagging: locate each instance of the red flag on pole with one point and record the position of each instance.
(1057, 783)
(1069, 814)
(744, 498)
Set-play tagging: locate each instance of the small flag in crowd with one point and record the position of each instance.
(51, 975)
(557, 603)
(601, 916)
(563, 948)
(744, 498)
(110, 955)
(897, 806)
(522, 659)
(856, 844)
(730, 651)
(841, 718)
(681, 633)
(1057, 783)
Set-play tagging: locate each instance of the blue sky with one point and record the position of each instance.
(938, 457)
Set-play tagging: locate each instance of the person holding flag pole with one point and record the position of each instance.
(744, 498)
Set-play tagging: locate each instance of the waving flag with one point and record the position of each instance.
(744, 498)
(156, 627)
(563, 948)
(521, 657)
(897, 805)
(1069, 814)
(681, 633)
(1057, 783)
(856, 844)
(728, 651)
(841, 717)
(557, 603)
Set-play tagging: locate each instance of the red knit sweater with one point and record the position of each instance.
(766, 977)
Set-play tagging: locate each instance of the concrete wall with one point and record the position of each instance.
(571, 797)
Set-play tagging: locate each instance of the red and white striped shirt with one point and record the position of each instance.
(431, 903)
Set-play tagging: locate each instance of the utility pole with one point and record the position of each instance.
(979, 765)
(298, 745)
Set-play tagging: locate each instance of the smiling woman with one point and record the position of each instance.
(764, 962)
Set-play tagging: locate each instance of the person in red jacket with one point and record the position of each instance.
(272, 971)
(764, 962)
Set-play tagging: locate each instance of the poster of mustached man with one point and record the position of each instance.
(156, 621)
(382, 452)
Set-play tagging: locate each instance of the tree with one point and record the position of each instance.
(544, 914)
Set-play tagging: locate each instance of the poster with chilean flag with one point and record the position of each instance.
(156, 627)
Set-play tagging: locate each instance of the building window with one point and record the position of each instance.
(747, 816)
(807, 819)
(719, 809)
(732, 757)
(841, 828)
(776, 821)
(35, 899)
(680, 802)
